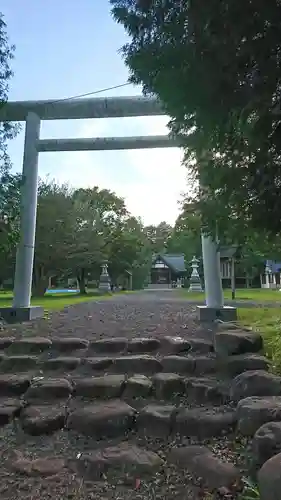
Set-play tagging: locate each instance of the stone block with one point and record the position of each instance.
(29, 345)
(178, 364)
(201, 462)
(266, 442)
(255, 383)
(143, 364)
(156, 420)
(21, 314)
(168, 385)
(143, 345)
(9, 409)
(124, 458)
(204, 423)
(48, 389)
(108, 386)
(237, 342)
(101, 420)
(137, 386)
(269, 479)
(253, 412)
(40, 420)
(210, 314)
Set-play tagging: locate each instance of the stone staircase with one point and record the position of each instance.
(160, 388)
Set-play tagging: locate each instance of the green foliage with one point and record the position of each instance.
(77, 230)
(255, 249)
(250, 491)
(158, 237)
(9, 209)
(7, 130)
(54, 233)
(9, 184)
(82, 228)
(216, 68)
(186, 234)
(126, 247)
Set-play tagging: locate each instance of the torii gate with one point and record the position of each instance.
(32, 112)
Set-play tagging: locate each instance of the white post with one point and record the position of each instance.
(267, 282)
(212, 274)
(25, 252)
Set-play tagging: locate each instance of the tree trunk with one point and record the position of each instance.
(82, 282)
(40, 282)
(247, 280)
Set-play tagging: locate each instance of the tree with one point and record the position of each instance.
(186, 235)
(158, 236)
(7, 131)
(9, 220)
(9, 183)
(255, 250)
(126, 248)
(216, 68)
(54, 233)
(76, 231)
(100, 216)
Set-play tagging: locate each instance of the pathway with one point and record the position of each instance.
(107, 400)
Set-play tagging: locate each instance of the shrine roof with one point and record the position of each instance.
(174, 261)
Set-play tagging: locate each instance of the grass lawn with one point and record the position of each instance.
(267, 321)
(53, 301)
(251, 294)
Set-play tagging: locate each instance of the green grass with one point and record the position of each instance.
(55, 301)
(266, 321)
(251, 294)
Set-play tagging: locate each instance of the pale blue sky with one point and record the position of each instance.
(68, 48)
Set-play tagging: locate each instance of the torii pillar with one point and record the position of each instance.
(214, 308)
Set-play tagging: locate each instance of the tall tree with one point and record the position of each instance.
(216, 68)
(9, 223)
(7, 130)
(186, 235)
(158, 236)
(99, 216)
(9, 184)
(126, 248)
(54, 233)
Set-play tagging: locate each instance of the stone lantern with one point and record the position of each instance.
(195, 282)
(104, 283)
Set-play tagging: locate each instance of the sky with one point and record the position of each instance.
(69, 48)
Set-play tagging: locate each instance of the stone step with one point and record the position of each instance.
(225, 343)
(126, 458)
(182, 364)
(108, 346)
(231, 342)
(127, 464)
(136, 462)
(161, 386)
(255, 411)
(202, 462)
(117, 418)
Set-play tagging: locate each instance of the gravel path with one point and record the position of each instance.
(132, 315)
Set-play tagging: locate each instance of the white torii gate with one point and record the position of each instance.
(32, 112)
